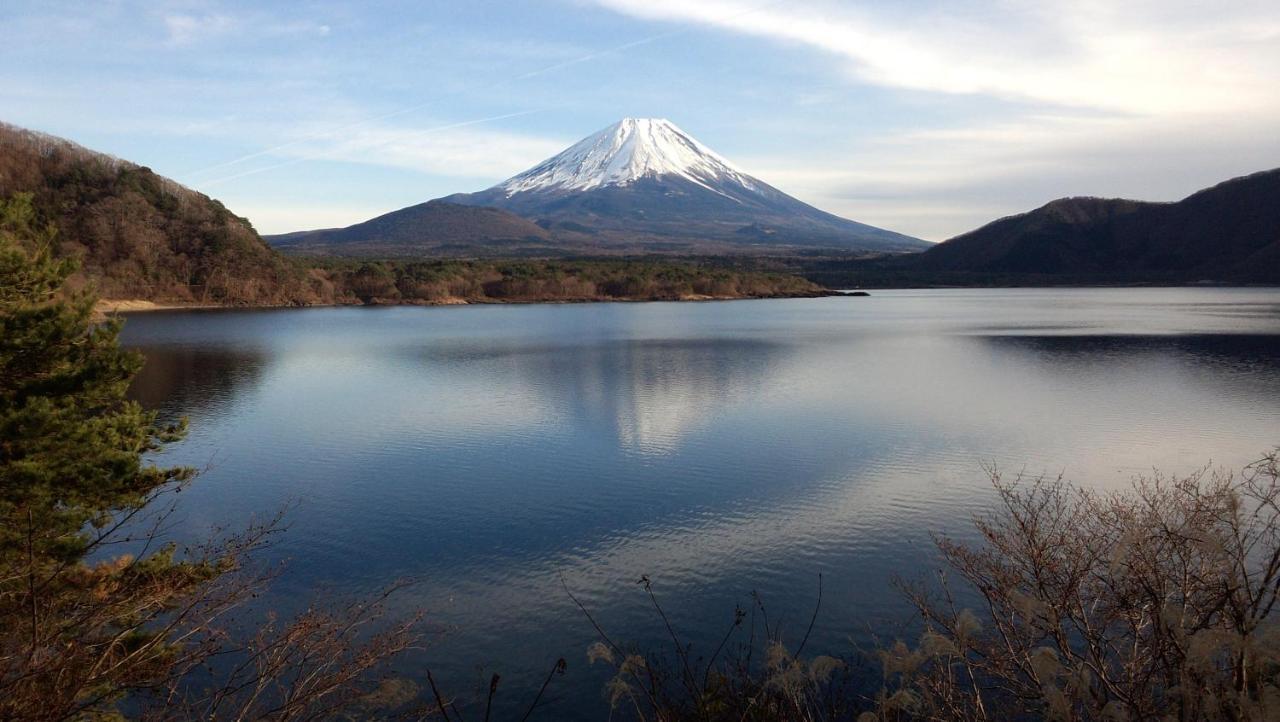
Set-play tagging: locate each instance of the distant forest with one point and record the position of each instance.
(555, 280)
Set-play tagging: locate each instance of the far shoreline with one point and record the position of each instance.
(105, 307)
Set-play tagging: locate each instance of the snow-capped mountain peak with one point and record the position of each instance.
(644, 184)
(631, 149)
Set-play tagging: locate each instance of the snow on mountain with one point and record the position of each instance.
(644, 183)
(631, 149)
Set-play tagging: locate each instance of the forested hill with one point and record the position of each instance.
(139, 235)
(1230, 232)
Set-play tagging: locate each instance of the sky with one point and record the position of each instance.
(928, 118)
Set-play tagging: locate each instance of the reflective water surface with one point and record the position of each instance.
(719, 448)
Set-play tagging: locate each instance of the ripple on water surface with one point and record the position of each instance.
(490, 453)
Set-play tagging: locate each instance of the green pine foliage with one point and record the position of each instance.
(76, 620)
(72, 443)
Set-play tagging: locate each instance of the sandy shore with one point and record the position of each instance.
(133, 305)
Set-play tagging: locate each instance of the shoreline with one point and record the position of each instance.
(105, 307)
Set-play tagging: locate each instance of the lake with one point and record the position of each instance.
(488, 452)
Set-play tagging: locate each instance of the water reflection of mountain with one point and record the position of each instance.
(648, 394)
(195, 381)
(653, 393)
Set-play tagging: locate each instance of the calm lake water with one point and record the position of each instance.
(719, 448)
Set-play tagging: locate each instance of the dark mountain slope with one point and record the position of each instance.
(678, 210)
(434, 228)
(1067, 235)
(1229, 232)
(140, 235)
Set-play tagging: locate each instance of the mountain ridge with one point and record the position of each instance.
(1228, 233)
(647, 177)
(641, 185)
(1221, 231)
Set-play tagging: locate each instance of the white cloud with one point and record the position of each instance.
(1136, 57)
(183, 29)
(187, 29)
(1150, 99)
(274, 217)
(937, 183)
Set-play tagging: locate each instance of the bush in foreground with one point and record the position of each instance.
(1156, 602)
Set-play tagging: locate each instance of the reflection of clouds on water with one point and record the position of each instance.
(1131, 403)
(1102, 408)
(718, 448)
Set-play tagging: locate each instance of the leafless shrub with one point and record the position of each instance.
(1153, 603)
(753, 678)
(149, 632)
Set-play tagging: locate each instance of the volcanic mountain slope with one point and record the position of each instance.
(647, 180)
(138, 235)
(1228, 232)
(434, 228)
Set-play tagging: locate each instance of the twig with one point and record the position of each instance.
(439, 699)
(812, 619)
(587, 614)
(559, 668)
(493, 688)
(738, 615)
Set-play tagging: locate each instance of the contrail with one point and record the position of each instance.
(402, 111)
(420, 106)
(316, 156)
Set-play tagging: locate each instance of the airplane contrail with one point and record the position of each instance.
(419, 106)
(316, 156)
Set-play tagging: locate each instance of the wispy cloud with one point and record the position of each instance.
(1144, 56)
(937, 183)
(187, 29)
(184, 29)
(928, 117)
(1149, 98)
(457, 149)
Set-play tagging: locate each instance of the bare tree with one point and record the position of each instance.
(1152, 603)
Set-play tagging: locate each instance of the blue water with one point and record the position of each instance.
(489, 452)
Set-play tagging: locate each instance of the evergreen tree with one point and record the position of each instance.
(86, 628)
(72, 476)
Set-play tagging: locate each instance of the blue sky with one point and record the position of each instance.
(928, 118)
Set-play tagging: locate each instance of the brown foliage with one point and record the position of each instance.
(139, 235)
(152, 633)
(1155, 603)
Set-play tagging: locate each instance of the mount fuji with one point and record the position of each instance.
(645, 178)
(642, 185)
